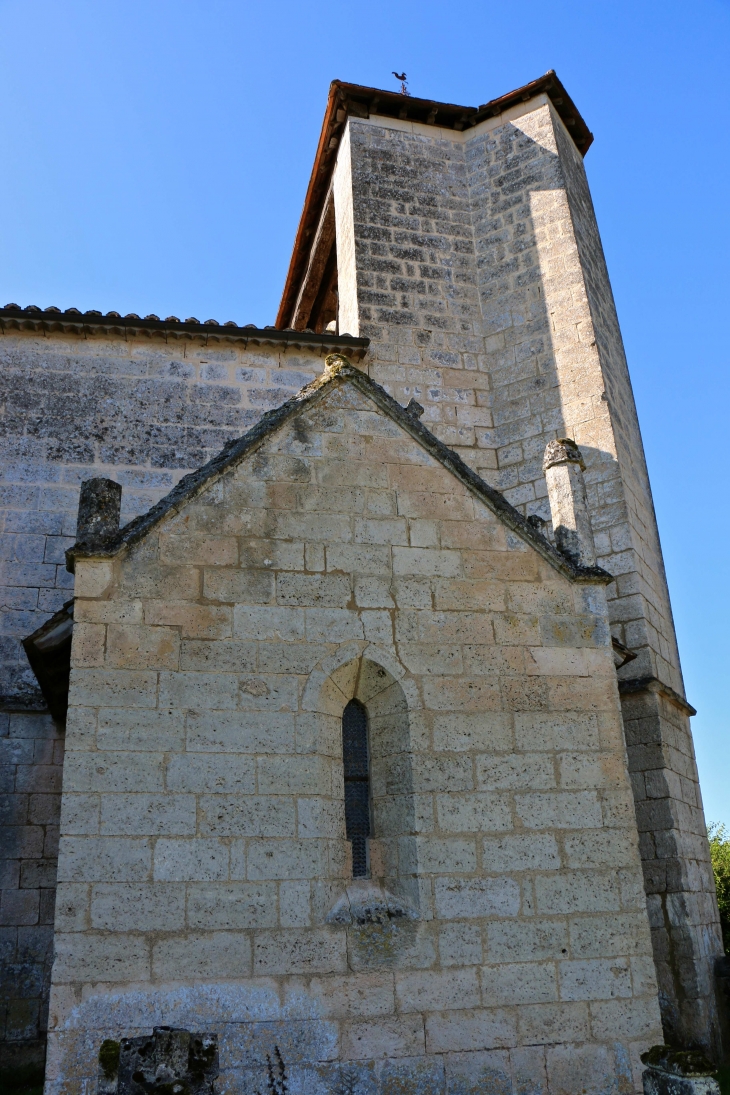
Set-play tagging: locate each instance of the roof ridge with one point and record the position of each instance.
(337, 368)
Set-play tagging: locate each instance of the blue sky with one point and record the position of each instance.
(155, 157)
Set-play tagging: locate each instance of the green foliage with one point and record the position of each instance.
(719, 838)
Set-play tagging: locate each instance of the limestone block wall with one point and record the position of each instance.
(482, 283)
(680, 887)
(31, 758)
(144, 412)
(415, 286)
(141, 411)
(551, 269)
(204, 878)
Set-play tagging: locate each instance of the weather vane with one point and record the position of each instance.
(403, 85)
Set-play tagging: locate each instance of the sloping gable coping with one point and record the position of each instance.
(338, 370)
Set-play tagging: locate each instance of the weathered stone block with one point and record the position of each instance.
(148, 814)
(295, 904)
(125, 953)
(401, 1036)
(461, 1030)
(232, 906)
(104, 859)
(546, 1023)
(533, 939)
(477, 897)
(293, 952)
(130, 646)
(559, 810)
(196, 690)
(442, 990)
(460, 944)
(195, 621)
(205, 772)
(155, 731)
(517, 852)
(475, 812)
(519, 983)
(125, 907)
(283, 859)
(217, 954)
(577, 891)
(250, 815)
(85, 772)
(113, 688)
(485, 732)
(191, 860)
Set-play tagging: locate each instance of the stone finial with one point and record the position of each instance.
(563, 466)
(562, 451)
(100, 504)
(334, 363)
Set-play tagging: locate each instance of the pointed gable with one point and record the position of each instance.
(337, 555)
(373, 418)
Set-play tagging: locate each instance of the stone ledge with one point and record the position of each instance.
(366, 903)
(653, 684)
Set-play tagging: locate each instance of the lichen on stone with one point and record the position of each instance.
(678, 1062)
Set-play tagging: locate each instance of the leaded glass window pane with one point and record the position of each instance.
(357, 784)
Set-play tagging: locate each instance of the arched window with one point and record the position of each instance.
(357, 784)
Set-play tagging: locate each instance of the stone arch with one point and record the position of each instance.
(375, 678)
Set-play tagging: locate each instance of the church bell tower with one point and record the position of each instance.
(463, 242)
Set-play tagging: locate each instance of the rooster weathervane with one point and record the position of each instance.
(403, 85)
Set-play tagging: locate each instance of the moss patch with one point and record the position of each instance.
(109, 1057)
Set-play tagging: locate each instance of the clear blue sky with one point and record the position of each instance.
(155, 156)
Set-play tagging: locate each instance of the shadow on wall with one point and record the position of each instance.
(31, 745)
(555, 354)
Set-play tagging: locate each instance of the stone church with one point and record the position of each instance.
(356, 635)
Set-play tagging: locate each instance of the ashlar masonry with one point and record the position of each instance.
(346, 554)
(449, 531)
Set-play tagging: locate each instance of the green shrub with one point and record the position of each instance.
(719, 838)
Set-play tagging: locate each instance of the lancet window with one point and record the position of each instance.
(357, 784)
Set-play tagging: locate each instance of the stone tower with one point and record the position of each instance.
(463, 242)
